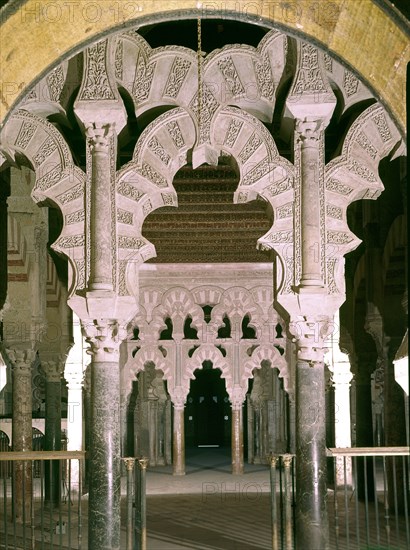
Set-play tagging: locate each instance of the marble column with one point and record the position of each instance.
(75, 432)
(178, 458)
(74, 369)
(237, 439)
(104, 451)
(100, 235)
(52, 432)
(309, 133)
(311, 492)
(22, 436)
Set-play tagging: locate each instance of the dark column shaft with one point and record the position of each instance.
(312, 530)
(52, 440)
(105, 458)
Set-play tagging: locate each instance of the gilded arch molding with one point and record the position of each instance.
(360, 34)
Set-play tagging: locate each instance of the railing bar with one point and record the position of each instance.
(366, 499)
(396, 506)
(281, 504)
(42, 455)
(68, 486)
(51, 523)
(336, 508)
(376, 503)
(405, 489)
(42, 503)
(354, 466)
(294, 500)
(59, 492)
(273, 462)
(386, 503)
(80, 490)
(368, 451)
(346, 504)
(24, 501)
(5, 470)
(13, 499)
(33, 539)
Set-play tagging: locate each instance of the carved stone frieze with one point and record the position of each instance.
(127, 190)
(233, 132)
(159, 150)
(96, 84)
(176, 135)
(230, 74)
(143, 79)
(176, 77)
(350, 83)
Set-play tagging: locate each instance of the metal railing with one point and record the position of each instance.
(368, 499)
(40, 500)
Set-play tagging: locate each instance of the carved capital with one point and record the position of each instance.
(143, 463)
(287, 460)
(99, 137)
(341, 375)
(310, 335)
(22, 360)
(53, 370)
(237, 397)
(308, 131)
(129, 463)
(178, 397)
(75, 380)
(104, 337)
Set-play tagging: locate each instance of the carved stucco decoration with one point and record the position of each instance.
(236, 303)
(351, 89)
(173, 356)
(177, 304)
(98, 101)
(52, 94)
(352, 176)
(237, 75)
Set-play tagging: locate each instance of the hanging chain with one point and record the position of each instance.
(199, 54)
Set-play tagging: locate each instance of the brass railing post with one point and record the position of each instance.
(140, 505)
(129, 464)
(273, 460)
(287, 462)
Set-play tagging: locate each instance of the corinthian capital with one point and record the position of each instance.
(104, 337)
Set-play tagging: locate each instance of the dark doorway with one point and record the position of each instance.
(208, 411)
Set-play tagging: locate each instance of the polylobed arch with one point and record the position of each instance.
(146, 354)
(208, 352)
(276, 360)
(73, 29)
